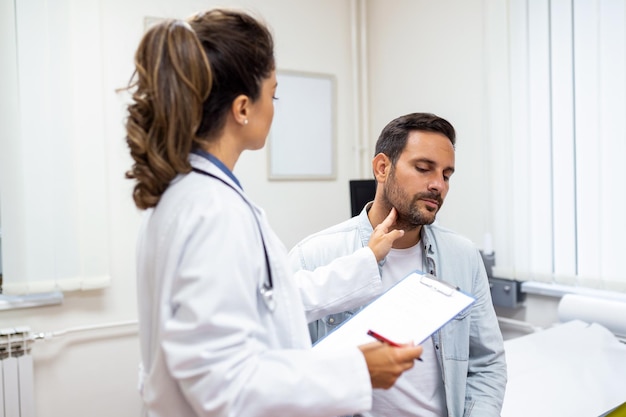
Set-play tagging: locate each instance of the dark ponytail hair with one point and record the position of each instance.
(187, 74)
(241, 53)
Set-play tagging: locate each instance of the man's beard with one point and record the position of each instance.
(409, 215)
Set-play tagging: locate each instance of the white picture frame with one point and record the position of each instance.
(302, 138)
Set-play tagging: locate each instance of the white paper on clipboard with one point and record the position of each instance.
(410, 311)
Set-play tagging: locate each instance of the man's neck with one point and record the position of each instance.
(410, 239)
(377, 214)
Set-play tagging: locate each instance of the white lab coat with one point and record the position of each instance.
(209, 344)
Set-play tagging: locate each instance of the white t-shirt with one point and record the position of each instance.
(419, 391)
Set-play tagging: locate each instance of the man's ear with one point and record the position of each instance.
(381, 165)
(240, 109)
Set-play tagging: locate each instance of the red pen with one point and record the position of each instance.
(383, 339)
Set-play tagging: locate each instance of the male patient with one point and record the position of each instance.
(463, 372)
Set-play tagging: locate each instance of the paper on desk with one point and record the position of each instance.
(571, 369)
(410, 311)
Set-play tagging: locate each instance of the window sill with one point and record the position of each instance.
(11, 302)
(559, 290)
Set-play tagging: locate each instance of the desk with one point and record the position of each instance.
(572, 369)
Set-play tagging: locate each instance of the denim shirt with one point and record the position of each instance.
(470, 348)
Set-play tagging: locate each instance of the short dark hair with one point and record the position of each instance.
(393, 137)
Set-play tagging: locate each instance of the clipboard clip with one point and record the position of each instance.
(437, 285)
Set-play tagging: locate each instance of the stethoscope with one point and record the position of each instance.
(266, 289)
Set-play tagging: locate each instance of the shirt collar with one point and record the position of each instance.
(217, 163)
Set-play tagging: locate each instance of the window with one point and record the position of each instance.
(52, 153)
(560, 207)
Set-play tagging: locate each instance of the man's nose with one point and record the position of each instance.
(436, 183)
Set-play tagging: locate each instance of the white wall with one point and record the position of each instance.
(428, 56)
(423, 56)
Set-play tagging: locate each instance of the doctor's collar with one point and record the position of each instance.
(212, 158)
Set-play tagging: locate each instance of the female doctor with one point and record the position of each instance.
(222, 325)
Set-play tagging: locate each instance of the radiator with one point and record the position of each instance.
(16, 373)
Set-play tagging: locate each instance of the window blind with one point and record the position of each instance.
(52, 152)
(565, 204)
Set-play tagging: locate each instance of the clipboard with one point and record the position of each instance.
(410, 311)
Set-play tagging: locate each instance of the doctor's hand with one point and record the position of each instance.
(386, 363)
(382, 239)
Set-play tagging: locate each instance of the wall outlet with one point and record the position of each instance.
(506, 292)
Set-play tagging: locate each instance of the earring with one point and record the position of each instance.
(245, 122)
